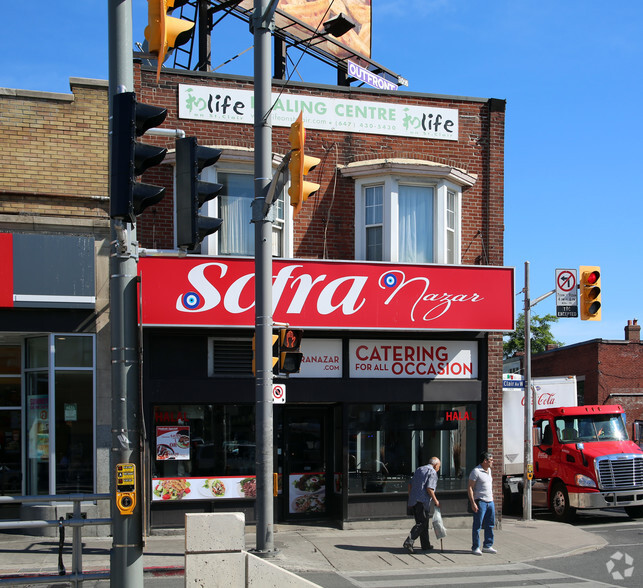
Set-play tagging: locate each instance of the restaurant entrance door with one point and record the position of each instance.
(307, 463)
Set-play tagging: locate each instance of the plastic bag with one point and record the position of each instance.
(438, 526)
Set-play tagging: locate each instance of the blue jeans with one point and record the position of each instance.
(485, 519)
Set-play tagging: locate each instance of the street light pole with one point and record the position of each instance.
(126, 559)
(529, 410)
(262, 23)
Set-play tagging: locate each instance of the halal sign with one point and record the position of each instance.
(566, 293)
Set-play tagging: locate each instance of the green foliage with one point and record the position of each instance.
(541, 335)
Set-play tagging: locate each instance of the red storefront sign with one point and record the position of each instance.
(6, 270)
(219, 292)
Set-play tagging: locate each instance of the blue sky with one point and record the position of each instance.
(570, 70)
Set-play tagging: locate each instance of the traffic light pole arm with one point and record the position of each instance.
(541, 298)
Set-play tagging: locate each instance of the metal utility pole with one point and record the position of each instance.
(262, 24)
(529, 409)
(126, 560)
(530, 398)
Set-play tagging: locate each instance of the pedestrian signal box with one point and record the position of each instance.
(126, 488)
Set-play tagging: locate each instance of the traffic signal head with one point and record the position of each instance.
(129, 158)
(192, 193)
(290, 356)
(590, 293)
(299, 166)
(275, 352)
(164, 32)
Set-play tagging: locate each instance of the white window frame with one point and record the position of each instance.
(390, 174)
(240, 161)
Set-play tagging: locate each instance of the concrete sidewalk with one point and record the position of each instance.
(366, 546)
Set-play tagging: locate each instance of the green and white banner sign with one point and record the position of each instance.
(328, 114)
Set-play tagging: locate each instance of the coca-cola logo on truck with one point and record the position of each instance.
(203, 291)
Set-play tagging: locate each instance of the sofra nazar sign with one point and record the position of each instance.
(211, 292)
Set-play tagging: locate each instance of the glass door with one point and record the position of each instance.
(307, 481)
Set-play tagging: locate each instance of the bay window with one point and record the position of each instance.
(408, 211)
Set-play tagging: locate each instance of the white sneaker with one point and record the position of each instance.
(489, 550)
(476, 551)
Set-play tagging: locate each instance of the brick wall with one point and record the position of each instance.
(326, 222)
(53, 160)
(613, 372)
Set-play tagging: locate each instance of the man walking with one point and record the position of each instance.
(481, 498)
(421, 494)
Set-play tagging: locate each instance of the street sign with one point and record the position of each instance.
(279, 393)
(566, 293)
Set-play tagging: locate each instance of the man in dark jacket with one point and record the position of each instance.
(421, 494)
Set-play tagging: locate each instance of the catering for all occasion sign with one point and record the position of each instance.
(310, 294)
(229, 105)
(413, 359)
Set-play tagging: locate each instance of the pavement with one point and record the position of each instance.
(369, 545)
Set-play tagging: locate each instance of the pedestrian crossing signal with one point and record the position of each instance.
(290, 356)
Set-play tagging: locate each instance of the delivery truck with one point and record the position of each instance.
(584, 459)
(581, 454)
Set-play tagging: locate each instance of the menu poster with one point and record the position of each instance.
(307, 493)
(173, 442)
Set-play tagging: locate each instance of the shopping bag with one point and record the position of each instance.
(438, 526)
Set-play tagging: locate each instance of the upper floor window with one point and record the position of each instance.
(408, 211)
(234, 171)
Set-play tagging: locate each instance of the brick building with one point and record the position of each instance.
(54, 293)
(356, 420)
(607, 371)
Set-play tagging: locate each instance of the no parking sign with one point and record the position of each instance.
(279, 393)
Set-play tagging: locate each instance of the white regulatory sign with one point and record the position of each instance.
(566, 293)
(279, 393)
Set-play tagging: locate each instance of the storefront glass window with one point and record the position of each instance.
(74, 432)
(387, 442)
(37, 352)
(59, 414)
(37, 419)
(203, 441)
(10, 416)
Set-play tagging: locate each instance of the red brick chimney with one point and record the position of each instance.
(633, 331)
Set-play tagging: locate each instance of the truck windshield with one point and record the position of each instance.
(585, 429)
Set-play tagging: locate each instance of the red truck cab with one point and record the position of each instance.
(584, 459)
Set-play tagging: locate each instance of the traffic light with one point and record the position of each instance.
(275, 352)
(130, 158)
(289, 354)
(590, 293)
(299, 166)
(192, 193)
(164, 32)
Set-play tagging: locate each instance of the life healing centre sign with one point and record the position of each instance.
(229, 105)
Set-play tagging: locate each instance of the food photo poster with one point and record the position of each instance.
(172, 442)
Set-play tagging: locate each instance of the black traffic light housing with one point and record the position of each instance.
(192, 193)
(290, 356)
(130, 159)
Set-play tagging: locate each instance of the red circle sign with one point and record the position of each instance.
(278, 391)
(566, 281)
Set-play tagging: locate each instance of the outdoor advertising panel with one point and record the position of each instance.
(302, 18)
(205, 291)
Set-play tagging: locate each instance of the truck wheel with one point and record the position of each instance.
(634, 512)
(560, 503)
